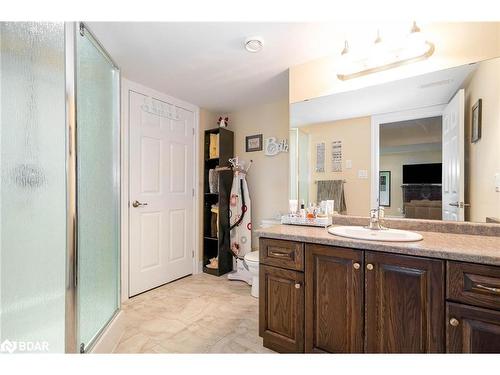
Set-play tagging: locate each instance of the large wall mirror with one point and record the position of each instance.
(425, 147)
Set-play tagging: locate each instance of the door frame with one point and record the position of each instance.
(376, 121)
(126, 86)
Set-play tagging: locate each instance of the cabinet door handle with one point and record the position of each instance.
(297, 285)
(369, 266)
(454, 322)
(279, 254)
(488, 288)
(356, 266)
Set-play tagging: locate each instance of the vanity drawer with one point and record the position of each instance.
(284, 254)
(473, 284)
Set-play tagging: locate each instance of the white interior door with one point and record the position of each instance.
(161, 181)
(453, 158)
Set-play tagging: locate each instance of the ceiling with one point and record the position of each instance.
(424, 131)
(206, 64)
(415, 92)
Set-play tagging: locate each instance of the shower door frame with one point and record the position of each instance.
(71, 31)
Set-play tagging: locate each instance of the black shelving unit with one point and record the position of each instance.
(212, 246)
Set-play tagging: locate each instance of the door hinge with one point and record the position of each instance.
(192, 253)
(193, 192)
(193, 131)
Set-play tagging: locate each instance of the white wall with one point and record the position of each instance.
(268, 177)
(483, 158)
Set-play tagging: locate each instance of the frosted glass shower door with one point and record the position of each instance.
(32, 187)
(98, 183)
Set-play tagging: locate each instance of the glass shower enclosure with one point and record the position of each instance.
(59, 187)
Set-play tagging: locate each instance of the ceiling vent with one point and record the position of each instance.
(436, 83)
(254, 44)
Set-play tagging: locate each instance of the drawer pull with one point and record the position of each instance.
(279, 254)
(454, 322)
(369, 266)
(488, 288)
(356, 266)
(297, 286)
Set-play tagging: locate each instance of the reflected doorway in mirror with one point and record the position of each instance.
(385, 189)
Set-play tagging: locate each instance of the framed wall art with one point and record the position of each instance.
(253, 143)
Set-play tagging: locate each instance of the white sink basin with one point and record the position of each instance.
(362, 233)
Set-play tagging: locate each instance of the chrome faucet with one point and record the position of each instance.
(376, 217)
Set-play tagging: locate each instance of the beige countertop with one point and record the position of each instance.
(462, 247)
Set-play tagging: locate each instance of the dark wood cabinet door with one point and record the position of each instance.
(472, 329)
(404, 304)
(334, 300)
(281, 309)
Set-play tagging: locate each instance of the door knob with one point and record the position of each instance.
(297, 286)
(356, 266)
(454, 322)
(136, 203)
(369, 266)
(459, 204)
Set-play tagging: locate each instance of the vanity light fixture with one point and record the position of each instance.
(254, 44)
(383, 56)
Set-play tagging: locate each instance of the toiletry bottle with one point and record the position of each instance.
(302, 209)
(310, 211)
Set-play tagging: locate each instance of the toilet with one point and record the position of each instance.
(252, 262)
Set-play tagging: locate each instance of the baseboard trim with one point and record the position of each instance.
(110, 338)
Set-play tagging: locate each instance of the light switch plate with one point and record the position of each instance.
(348, 164)
(362, 173)
(497, 182)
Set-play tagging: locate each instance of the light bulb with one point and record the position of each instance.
(378, 53)
(345, 61)
(415, 42)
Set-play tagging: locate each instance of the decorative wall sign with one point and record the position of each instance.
(476, 121)
(158, 108)
(253, 143)
(320, 157)
(385, 188)
(273, 146)
(337, 156)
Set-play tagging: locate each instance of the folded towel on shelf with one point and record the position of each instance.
(332, 190)
(213, 149)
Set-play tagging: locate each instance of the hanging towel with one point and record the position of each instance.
(332, 189)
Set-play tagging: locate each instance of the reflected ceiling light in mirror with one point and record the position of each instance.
(383, 56)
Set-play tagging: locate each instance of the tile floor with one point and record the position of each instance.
(197, 314)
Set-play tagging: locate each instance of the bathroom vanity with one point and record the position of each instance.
(324, 293)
